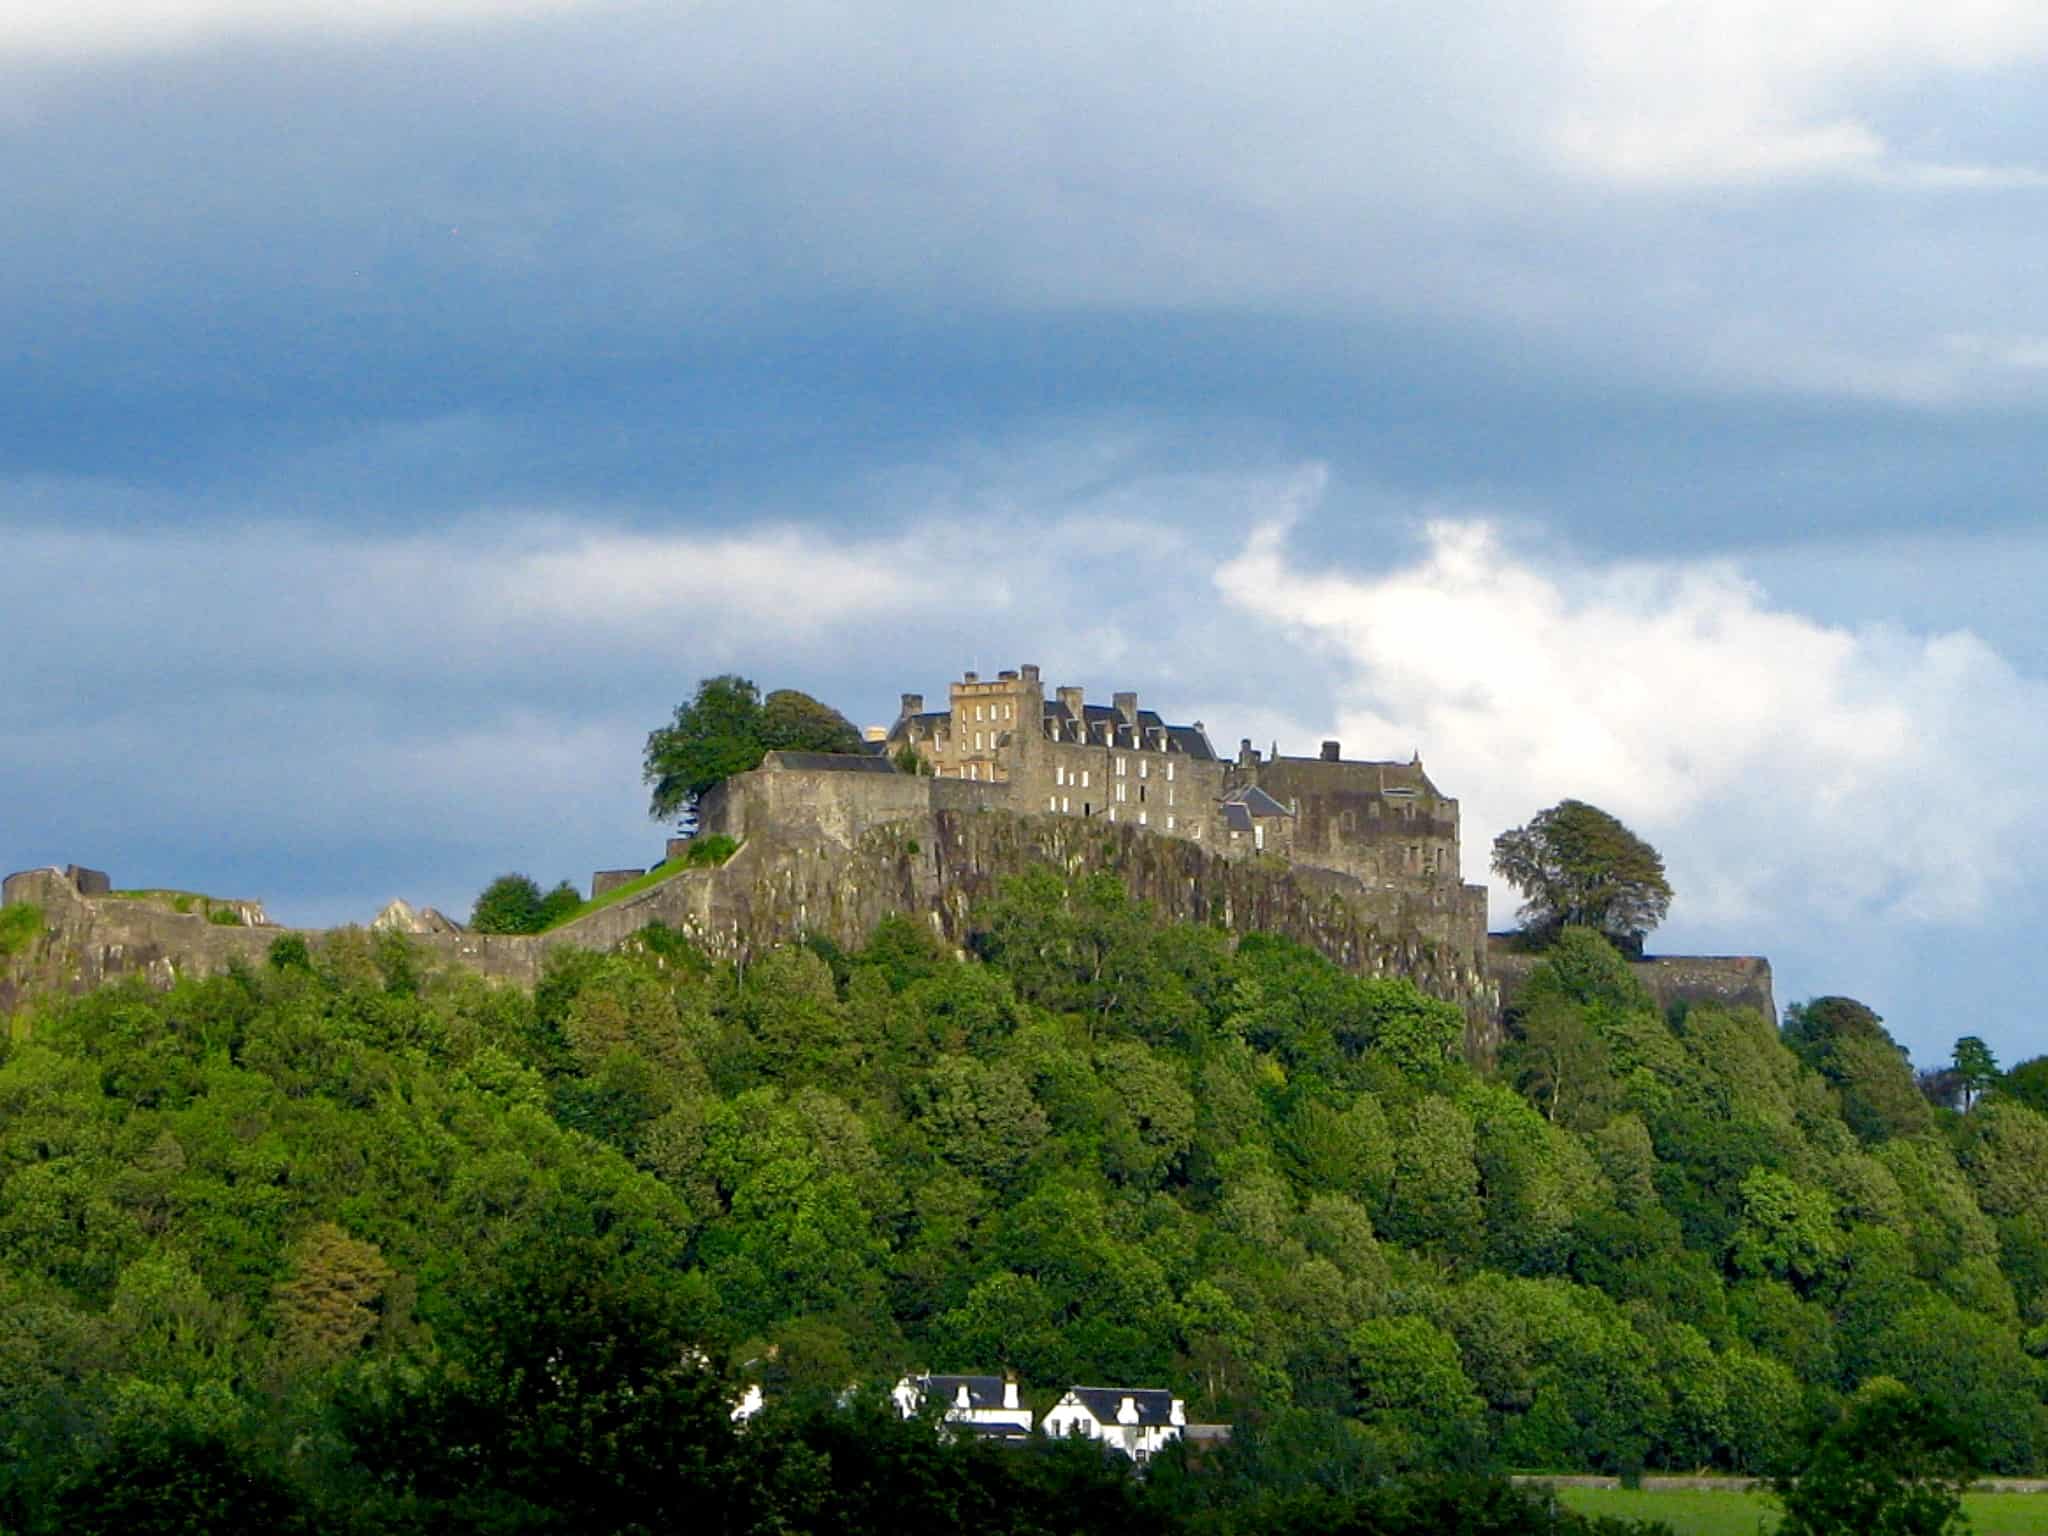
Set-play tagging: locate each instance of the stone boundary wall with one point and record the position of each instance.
(939, 864)
(1731, 981)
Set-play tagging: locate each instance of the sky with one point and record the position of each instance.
(402, 406)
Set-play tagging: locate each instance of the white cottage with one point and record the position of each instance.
(986, 1405)
(1136, 1420)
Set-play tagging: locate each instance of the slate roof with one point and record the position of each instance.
(1181, 738)
(1256, 802)
(982, 1391)
(830, 762)
(1154, 1404)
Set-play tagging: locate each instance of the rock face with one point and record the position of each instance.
(402, 917)
(938, 866)
(773, 891)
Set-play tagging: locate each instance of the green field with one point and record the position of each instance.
(1744, 1514)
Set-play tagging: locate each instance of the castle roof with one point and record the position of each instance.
(1107, 718)
(1256, 802)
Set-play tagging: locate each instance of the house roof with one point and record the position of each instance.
(982, 1391)
(1154, 1405)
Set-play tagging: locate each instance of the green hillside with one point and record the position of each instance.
(399, 1251)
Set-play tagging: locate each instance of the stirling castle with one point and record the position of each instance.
(1356, 859)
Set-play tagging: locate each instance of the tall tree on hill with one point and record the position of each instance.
(727, 728)
(1575, 865)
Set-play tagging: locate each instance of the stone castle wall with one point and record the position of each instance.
(1730, 981)
(937, 863)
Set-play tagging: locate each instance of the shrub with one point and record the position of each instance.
(514, 904)
(708, 852)
(288, 952)
(19, 925)
(223, 917)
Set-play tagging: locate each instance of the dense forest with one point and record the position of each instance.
(337, 1243)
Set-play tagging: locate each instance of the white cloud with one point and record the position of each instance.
(1787, 768)
(72, 27)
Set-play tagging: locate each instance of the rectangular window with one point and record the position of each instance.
(1119, 767)
(1066, 804)
(1120, 792)
(1169, 794)
(1169, 771)
(1084, 778)
(1169, 823)
(1052, 802)
(1144, 768)
(1258, 835)
(1141, 818)
(1112, 813)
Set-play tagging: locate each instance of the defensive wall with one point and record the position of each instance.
(828, 851)
(1730, 981)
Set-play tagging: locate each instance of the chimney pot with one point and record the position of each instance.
(1331, 750)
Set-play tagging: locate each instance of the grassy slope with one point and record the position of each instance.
(1744, 1514)
(647, 882)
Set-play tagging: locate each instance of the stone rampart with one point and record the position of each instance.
(938, 864)
(1731, 981)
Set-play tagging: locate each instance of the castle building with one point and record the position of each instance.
(1385, 823)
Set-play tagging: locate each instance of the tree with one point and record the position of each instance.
(1846, 1043)
(727, 728)
(514, 904)
(1975, 1068)
(1575, 864)
(1892, 1466)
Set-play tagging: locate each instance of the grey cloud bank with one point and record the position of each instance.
(400, 409)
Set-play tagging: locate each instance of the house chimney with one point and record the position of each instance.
(1127, 706)
(1006, 677)
(1010, 1392)
(1127, 1410)
(970, 677)
(1030, 671)
(913, 704)
(1330, 751)
(1071, 698)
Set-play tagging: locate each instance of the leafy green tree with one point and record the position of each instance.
(1577, 865)
(727, 728)
(1409, 1383)
(514, 904)
(1892, 1465)
(1975, 1067)
(1847, 1044)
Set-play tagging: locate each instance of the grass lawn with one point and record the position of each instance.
(711, 852)
(1744, 1514)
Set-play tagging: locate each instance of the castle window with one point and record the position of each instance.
(1120, 792)
(1066, 805)
(1169, 794)
(1119, 767)
(1169, 823)
(1052, 802)
(1141, 818)
(1141, 792)
(1258, 834)
(1084, 778)
(1144, 769)
(1112, 813)
(1169, 771)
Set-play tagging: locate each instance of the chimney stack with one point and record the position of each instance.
(1030, 671)
(1330, 751)
(913, 704)
(1071, 698)
(970, 677)
(1127, 706)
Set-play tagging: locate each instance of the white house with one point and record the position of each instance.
(982, 1404)
(748, 1404)
(1136, 1420)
